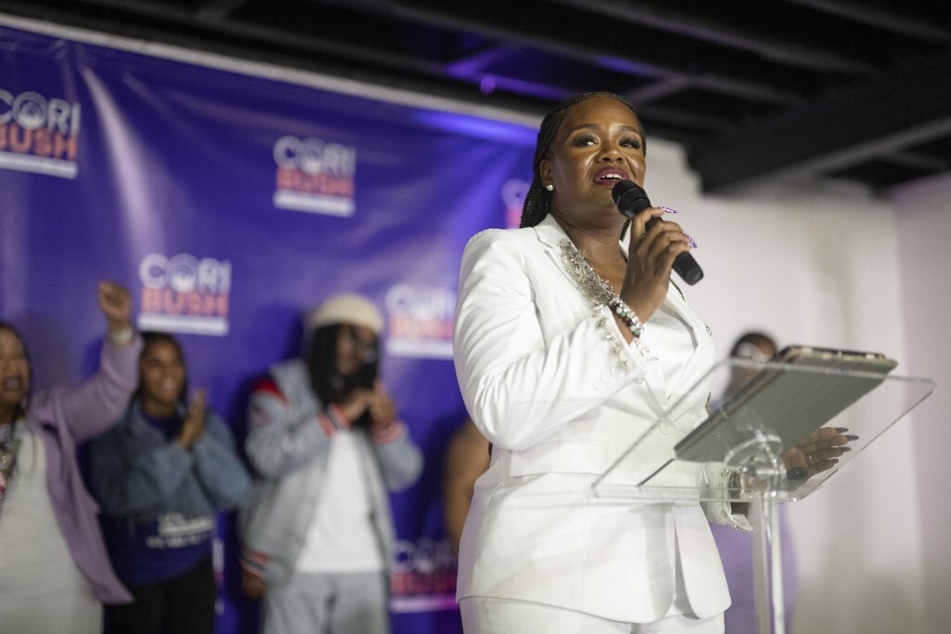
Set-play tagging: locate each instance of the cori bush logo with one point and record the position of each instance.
(185, 294)
(314, 176)
(39, 135)
(420, 321)
(423, 576)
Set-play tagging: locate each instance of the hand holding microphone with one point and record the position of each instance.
(631, 199)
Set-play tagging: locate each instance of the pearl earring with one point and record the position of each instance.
(550, 187)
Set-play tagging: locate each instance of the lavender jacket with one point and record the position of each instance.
(67, 417)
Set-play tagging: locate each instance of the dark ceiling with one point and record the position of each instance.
(753, 89)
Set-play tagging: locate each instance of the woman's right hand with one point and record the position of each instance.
(650, 260)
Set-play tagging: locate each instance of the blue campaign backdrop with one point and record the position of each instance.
(229, 202)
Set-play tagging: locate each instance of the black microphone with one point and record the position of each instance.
(631, 199)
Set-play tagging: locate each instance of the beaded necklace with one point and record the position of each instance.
(589, 282)
(596, 288)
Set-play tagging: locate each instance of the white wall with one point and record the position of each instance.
(829, 266)
(924, 231)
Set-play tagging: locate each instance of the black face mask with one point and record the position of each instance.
(329, 385)
(344, 384)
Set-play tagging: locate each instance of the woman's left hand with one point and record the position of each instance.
(819, 452)
(382, 407)
(194, 425)
(651, 256)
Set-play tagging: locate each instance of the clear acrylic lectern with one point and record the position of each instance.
(775, 440)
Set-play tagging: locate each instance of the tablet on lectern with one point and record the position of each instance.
(796, 393)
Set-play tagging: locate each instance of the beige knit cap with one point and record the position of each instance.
(348, 308)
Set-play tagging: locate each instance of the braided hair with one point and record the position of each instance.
(326, 382)
(537, 203)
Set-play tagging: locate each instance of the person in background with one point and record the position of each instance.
(54, 569)
(736, 547)
(325, 444)
(162, 474)
(467, 457)
(752, 346)
(571, 339)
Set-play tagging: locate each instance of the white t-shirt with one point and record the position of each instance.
(341, 537)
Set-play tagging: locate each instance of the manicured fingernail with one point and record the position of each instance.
(691, 242)
(842, 430)
(669, 210)
(851, 437)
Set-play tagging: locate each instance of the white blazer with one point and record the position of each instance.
(543, 378)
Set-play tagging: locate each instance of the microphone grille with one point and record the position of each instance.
(630, 198)
(623, 187)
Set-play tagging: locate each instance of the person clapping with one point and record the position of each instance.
(162, 475)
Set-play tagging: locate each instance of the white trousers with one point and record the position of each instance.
(488, 615)
(491, 615)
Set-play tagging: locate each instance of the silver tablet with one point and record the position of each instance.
(796, 393)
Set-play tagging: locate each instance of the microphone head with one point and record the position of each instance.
(630, 198)
(622, 187)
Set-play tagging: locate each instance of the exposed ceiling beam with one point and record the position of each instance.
(919, 160)
(567, 42)
(228, 37)
(216, 10)
(476, 61)
(891, 19)
(911, 105)
(657, 90)
(704, 25)
(565, 39)
(748, 97)
(683, 118)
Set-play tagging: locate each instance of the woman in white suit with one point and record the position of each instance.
(571, 340)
